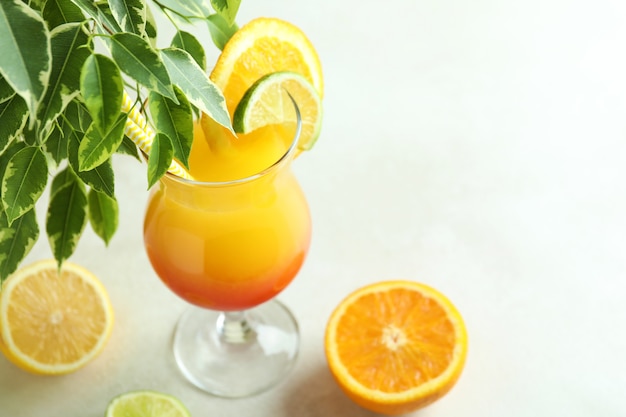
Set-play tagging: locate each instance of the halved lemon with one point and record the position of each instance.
(396, 346)
(270, 101)
(53, 321)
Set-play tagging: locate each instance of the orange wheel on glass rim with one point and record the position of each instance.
(396, 346)
(260, 47)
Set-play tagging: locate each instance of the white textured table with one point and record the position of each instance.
(479, 147)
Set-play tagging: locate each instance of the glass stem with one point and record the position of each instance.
(233, 327)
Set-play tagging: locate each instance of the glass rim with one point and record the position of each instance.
(284, 157)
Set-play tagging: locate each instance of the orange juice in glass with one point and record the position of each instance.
(228, 242)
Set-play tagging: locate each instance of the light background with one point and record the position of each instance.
(476, 146)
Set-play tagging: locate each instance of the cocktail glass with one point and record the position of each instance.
(229, 248)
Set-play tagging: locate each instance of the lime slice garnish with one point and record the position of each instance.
(146, 404)
(267, 102)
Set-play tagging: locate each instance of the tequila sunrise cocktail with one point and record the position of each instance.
(232, 238)
(228, 242)
(239, 237)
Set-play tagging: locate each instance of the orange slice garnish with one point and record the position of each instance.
(260, 47)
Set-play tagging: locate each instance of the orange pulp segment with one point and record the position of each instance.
(224, 157)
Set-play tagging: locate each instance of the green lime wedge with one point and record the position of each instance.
(146, 404)
(267, 102)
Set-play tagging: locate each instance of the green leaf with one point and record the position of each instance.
(6, 156)
(188, 8)
(102, 88)
(67, 216)
(103, 215)
(100, 178)
(160, 158)
(13, 116)
(196, 85)
(141, 62)
(95, 149)
(221, 31)
(69, 51)
(6, 92)
(25, 60)
(130, 14)
(227, 9)
(100, 13)
(128, 147)
(16, 241)
(58, 12)
(187, 42)
(175, 121)
(23, 182)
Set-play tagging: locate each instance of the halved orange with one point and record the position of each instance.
(260, 47)
(51, 321)
(396, 346)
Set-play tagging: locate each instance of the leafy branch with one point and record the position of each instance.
(65, 67)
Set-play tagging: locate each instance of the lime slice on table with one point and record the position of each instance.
(146, 404)
(267, 102)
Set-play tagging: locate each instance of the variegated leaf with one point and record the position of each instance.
(61, 179)
(130, 14)
(103, 215)
(136, 57)
(175, 121)
(25, 58)
(102, 89)
(58, 12)
(6, 155)
(187, 42)
(227, 9)
(56, 144)
(221, 31)
(128, 147)
(95, 149)
(98, 13)
(69, 52)
(24, 181)
(100, 178)
(16, 241)
(189, 8)
(13, 116)
(151, 28)
(196, 85)
(160, 158)
(78, 116)
(6, 91)
(67, 216)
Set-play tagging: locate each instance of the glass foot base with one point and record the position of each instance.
(237, 354)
